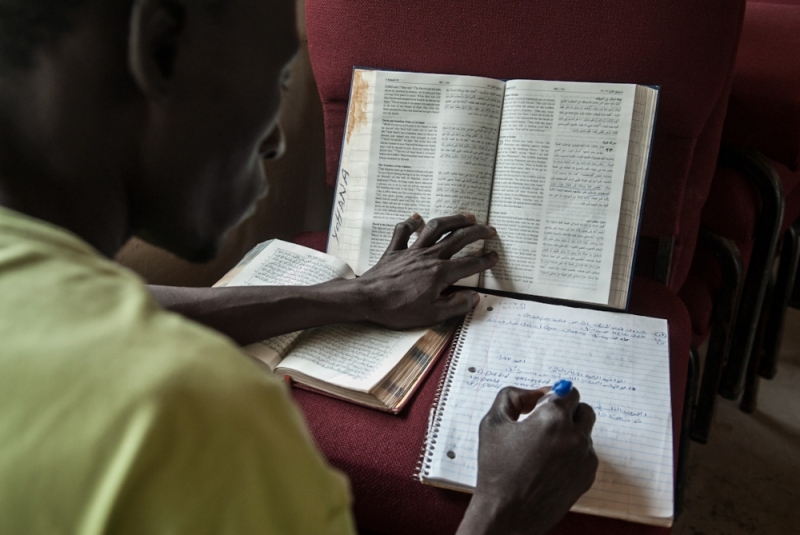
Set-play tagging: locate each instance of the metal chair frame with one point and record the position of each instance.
(726, 304)
(756, 167)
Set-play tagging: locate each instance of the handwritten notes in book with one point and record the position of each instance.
(620, 364)
(344, 239)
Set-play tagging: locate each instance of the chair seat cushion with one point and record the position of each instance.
(732, 207)
(702, 285)
(730, 211)
(698, 293)
(733, 203)
(379, 452)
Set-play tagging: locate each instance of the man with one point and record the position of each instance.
(150, 118)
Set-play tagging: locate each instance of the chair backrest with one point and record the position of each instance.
(764, 107)
(685, 46)
(780, 2)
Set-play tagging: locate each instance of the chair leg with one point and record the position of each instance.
(753, 165)
(775, 316)
(751, 383)
(687, 422)
(794, 300)
(725, 306)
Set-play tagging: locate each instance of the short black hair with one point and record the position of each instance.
(28, 24)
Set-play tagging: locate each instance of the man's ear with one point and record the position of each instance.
(154, 34)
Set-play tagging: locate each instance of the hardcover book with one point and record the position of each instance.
(558, 168)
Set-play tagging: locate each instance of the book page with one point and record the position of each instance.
(432, 143)
(620, 364)
(279, 263)
(557, 189)
(352, 356)
(644, 112)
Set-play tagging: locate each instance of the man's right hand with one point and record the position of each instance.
(531, 472)
(405, 288)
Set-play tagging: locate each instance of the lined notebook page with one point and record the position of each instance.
(620, 364)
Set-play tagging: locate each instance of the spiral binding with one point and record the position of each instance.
(440, 401)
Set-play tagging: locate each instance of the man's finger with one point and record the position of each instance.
(466, 266)
(585, 419)
(463, 237)
(436, 228)
(403, 232)
(511, 401)
(568, 403)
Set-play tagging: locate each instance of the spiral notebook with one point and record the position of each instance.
(620, 364)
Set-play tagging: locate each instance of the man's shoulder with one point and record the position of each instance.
(100, 386)
(71, 316)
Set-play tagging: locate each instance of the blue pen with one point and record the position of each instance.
(561, 389)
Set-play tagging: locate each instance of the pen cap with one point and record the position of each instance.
(562, 388)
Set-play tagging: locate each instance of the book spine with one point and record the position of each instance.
(439, 402)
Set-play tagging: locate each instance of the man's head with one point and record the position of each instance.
(153, 114)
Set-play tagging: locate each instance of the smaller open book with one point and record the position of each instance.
(558, 168)
(364, 364)
(618, 362)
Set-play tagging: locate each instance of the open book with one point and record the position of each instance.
(620, 364)
(557, 167)
(364, 364)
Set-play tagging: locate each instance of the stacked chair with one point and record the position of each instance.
(687, 47)
(751, 214)
(765, 116)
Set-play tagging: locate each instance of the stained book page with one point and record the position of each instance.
(557, 189)
(279, 263)
(424, 143)
(620, 364)
(344, 237)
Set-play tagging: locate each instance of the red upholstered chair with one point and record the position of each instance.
(764, 114)
(753, 202)
(687, 47)
(738, 238)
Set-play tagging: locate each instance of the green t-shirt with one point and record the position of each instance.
(116, 416)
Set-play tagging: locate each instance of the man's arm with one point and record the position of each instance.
(529, 473)
(404, 290)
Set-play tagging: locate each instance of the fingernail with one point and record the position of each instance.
(492, 229)
(471, 217)
(476, 298)
(415, 216)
